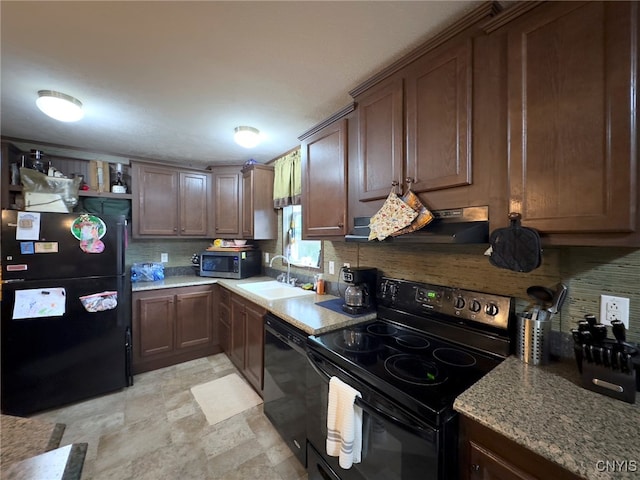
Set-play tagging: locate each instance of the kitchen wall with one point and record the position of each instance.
(179, 251)
(587, 271)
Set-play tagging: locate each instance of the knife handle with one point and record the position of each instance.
(577, 347)
(619, 331)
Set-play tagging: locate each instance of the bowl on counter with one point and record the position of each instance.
(239, 243)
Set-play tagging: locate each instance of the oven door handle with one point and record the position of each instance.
(418, 427)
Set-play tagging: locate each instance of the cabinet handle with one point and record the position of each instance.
(409, 181)
(175, 229)
(340, 225)
(395, 183)
(183, 229)
(475, 467)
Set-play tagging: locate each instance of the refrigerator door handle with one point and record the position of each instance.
(128, 353)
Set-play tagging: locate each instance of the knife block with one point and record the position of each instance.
(610, 382)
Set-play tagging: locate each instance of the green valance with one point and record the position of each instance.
(287, 180)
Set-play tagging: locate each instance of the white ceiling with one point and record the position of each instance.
(170, 80)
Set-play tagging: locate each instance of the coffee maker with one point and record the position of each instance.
(359, 296)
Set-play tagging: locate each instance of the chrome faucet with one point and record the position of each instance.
(288, 266)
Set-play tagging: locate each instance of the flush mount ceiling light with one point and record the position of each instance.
(60, 106)
(247, 137)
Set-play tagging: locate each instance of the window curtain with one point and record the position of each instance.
(287, 180)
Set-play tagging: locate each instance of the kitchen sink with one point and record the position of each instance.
(274, 290)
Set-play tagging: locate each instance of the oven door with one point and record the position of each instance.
(395, 445)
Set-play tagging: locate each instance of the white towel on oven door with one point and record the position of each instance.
(344, 423)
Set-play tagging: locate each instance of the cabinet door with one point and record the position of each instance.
(247, 204)
(439, 117)
(227, 205)
(324, 182)
(572, 76)
(224, 328)
(155, 320)
(194, 203)
(486, 465)
(157, 212)
(237, 331)
(193, 319)
(254, 368)
(380, 139)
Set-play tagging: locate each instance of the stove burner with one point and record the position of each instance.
(415, 370)
(382, 329)
(412, 341)
(452, 356)
(354, 341)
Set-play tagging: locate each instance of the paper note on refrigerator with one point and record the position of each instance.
(39, 302)
(28, 226)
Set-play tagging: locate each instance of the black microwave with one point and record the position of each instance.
(231, 264)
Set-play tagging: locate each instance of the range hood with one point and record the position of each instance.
(452, 226)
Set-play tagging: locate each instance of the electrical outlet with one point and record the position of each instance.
(346, 264)
(614, 308)
(266, 258)
(164, 257)
(332, 268)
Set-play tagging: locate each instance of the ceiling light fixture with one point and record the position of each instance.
(247, 137)
(60, 106)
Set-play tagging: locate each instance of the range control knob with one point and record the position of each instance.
(475, 306)
(459, 302)
(491, 309)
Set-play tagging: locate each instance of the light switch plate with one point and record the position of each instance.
(614, 308)
(332, 268)
(164, 257)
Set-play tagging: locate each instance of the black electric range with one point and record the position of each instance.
(428, 345)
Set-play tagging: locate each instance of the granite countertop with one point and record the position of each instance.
(301, 312)
(30, 451)
(545, 409)
(22, 438)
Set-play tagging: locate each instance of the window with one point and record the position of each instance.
(302, 253)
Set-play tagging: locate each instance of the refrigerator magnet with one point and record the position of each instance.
(89, 229)
(27, 248)
(46, 247)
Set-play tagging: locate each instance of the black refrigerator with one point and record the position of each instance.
(66, 309)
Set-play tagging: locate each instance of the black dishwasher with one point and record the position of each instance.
(284, 382)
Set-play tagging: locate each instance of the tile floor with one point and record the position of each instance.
(156, 430)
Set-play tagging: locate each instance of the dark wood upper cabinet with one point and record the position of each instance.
(572, 74)
(195, 201)
(324, 181)
(439, 115)
(381, 139)
(227, 187)
(155, 211)
(259, 218)
(171, 202)
(415, 128)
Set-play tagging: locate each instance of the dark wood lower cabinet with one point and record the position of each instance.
(488, 455)
(172, 326)
(223, 303)
(246, 342)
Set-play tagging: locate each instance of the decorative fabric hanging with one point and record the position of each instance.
(287, 180)
(393, 216)
(424, 215)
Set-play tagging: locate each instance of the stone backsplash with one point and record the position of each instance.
(587, 271)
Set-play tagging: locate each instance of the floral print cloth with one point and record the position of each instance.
(424, 215)
(393, 216)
